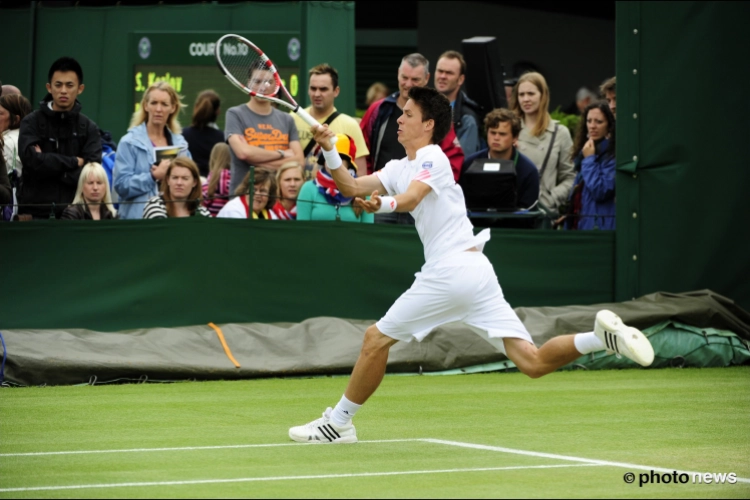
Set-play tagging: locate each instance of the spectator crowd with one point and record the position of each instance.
(266, 165)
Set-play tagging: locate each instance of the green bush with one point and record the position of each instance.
(570, 121)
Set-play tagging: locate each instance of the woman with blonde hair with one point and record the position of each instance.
(154, 125)
(203, 134)
(181, 196)
(216, 187)
(93, 200)
(289, 180)
(543, 140)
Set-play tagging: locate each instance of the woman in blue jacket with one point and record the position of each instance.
(593, 195)
(154, 125)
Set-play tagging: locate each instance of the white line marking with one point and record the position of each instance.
(569, 458)
(184, 448)
(287, 478)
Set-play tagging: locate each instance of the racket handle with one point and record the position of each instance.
(312, 121)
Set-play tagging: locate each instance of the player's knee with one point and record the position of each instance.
(375, 341)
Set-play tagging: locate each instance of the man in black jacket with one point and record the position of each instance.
(55, 142)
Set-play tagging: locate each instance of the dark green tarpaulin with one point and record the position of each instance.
(117, 275)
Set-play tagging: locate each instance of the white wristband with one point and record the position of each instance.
(333, 160)
(388, 204)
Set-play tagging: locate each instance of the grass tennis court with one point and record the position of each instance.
(570, 434)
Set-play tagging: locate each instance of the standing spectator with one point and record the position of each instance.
(609, 92)
(155, 124)
(55, 142)
(323, 90)
(93, 200)
(264, 198)
(503, 128)
(509, 84)
(289, 179)
(216, 188)
(6, 193)
(203, 133)
(380, 128)
(9, 89)
(450, 74)
(182, 193)
(593, 197)
(543, 140)
(320, 198)
(13, 109)
(375, 92)
(260, 135)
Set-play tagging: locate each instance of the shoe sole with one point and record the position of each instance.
(341, 440)
(638, 346)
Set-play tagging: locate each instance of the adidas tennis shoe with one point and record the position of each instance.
(323, 430)
(622, 339)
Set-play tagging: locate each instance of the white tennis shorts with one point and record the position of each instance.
(463, 288)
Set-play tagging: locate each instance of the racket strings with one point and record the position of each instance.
(248, 67)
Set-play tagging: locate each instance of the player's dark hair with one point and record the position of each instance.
(206, 109)
(326, 69)
(434, 106)
(503, 115)
(65, 64)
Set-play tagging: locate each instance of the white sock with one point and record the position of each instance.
(588, 342)
(344, 412)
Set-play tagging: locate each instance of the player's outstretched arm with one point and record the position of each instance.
(404, 202)
(348, 185)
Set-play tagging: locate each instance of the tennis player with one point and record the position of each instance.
(456, 283)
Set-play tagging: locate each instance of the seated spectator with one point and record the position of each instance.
(584, 97)
(93, 200)
(450, 74)
(592, 200)
(54, 143)
(503, 127)
(182, 193)
(375, 92)
(216, 188)
(609, 92)
(155, 124)
(203, 133)
(8, 89)
(263, 199)
(543, 140)
(289, 179)
(320, 199)
(13, 109)
(6, 193)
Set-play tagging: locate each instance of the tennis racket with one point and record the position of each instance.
(251, 71)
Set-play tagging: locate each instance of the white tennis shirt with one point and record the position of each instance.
(440, 218)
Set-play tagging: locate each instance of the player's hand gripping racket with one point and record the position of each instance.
(251, 71)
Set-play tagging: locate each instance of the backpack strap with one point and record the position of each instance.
(311, 144)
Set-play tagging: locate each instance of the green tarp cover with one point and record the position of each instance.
(327, 345)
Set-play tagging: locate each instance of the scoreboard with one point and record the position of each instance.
(186, 60)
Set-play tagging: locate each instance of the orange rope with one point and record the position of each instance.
(224, 344)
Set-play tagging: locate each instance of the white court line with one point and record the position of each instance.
(285, 478)
(184, 448)
(569, 458)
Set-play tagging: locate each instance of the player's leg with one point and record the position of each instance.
(335, 425)
(609, 333)
(370, 367)
(554, 354)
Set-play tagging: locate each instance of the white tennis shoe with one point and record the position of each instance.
(323, 430)
(623, 339)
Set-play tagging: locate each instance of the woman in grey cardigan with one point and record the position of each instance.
(544, 140)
